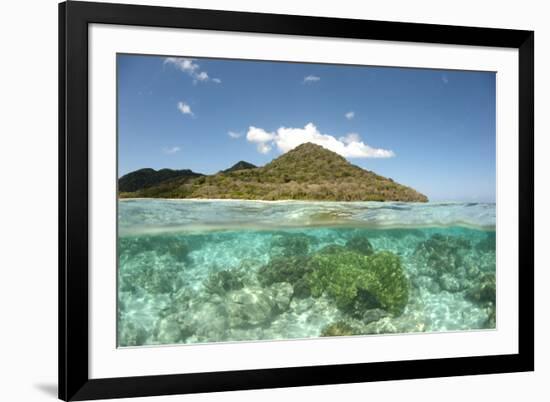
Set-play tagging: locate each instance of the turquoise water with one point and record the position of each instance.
(222, 271)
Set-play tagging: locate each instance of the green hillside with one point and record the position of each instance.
(308, 172)
(145, 178)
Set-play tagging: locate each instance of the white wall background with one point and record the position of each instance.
(28, 202)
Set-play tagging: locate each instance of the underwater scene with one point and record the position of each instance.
(203, 271)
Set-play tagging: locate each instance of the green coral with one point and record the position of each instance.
(361, 244)
(391, 286)
(355, 281)
(340, 275)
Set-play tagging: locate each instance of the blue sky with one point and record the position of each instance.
(433, 130)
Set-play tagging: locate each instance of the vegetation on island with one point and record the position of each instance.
(308, 172)
(145, 178)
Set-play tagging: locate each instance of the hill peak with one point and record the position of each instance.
(310, 148)
(307, 146)
(240, 165)
(308, 156)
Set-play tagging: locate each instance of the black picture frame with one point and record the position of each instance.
(74, 381)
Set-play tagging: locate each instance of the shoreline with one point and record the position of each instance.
(302, 201)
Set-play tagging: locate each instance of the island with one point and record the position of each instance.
(308, 172)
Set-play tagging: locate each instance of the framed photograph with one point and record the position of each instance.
(257, 201)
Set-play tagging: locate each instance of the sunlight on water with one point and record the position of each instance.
(217, 271)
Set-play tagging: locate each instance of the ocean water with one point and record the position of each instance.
(223, 271)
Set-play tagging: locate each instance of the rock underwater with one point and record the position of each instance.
(212, 317)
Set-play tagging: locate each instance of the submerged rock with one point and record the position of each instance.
(138, 314)
(484, 291)
(281, 294)
(410, 321)
(132, 333)
(442, 253)
(169, 331)
(224, 281)
(257, 306)
(373, 315)
(360, 244)
(450, 261)
(291, 244)
(249, 307)
(340, 328)
(207, 321)
(450, 283)
(427, 282)
(152, 273)
(365, 301)
(292, 270)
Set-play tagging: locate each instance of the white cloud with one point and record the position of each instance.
(350, 115)
(259, 135)
(311, 79)
(187, 65)
(350, 146)
(234, 134)
(190, 67)
(445, 79)
(185, 108)
(171, 150)
(202, 76)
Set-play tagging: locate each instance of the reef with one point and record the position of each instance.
(340, 282)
